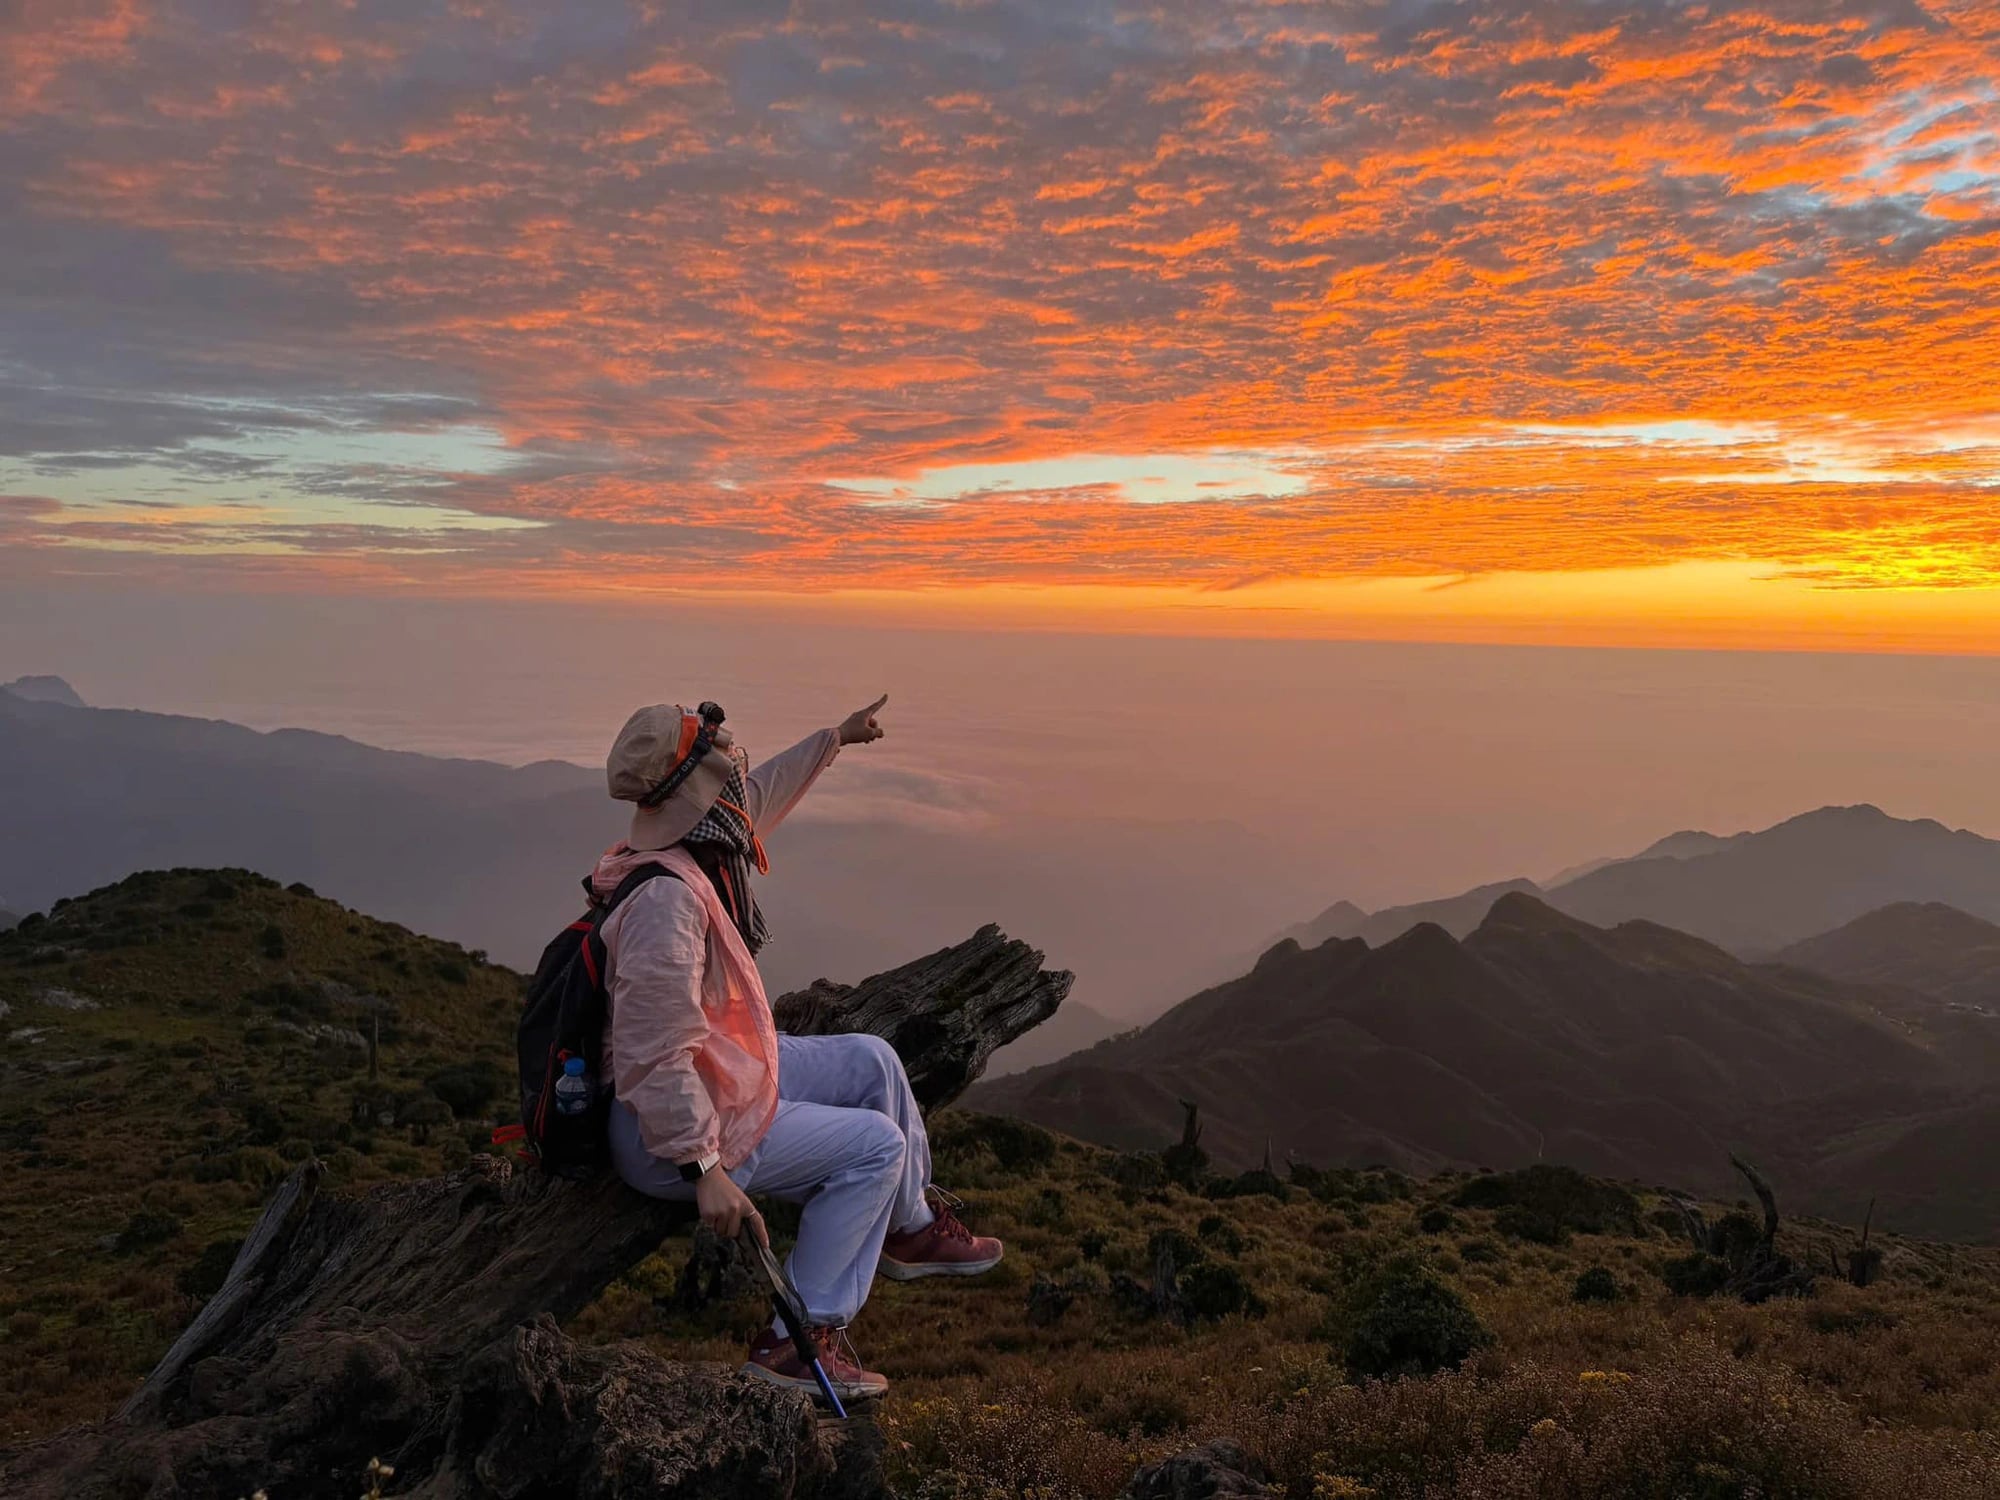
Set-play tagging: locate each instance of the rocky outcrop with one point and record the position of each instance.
(1214, 1471)
(419, 1323)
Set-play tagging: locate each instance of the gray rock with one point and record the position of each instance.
(1214, 1471)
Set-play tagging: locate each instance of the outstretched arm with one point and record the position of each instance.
(776, 785)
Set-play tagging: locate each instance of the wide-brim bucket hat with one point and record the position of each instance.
(674, 764)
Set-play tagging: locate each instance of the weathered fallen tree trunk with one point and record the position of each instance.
(945, 1015)
(419, 1322)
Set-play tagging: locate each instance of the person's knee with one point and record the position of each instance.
(881, 1147)
(883, 1065)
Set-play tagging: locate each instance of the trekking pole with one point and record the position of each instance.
(791, 1313)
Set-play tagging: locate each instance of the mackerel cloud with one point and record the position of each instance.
(901, 294)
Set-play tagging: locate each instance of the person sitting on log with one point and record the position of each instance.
(710, 1102)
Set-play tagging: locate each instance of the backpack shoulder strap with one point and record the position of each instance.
(641, 876)
(594, 952)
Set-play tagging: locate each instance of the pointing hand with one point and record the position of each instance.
(860, 728)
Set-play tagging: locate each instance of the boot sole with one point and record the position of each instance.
(846, 1390)
(897, 1270)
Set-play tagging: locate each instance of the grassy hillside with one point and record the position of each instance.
(173, 1045)
(174, 1042)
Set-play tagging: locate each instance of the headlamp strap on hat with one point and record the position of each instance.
(697, 739)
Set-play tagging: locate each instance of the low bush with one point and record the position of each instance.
(1547, 1203)
(1695, 1275)
(1405, 1319)
(467, 1088)
(145, 1229)
(1251, 1184)
(1596, 1285)
(1218, 1233)
(1212, 1290)
(1017, 1145)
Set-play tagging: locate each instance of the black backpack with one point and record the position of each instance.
(562, 1017)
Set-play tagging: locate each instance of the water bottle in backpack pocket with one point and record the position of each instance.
(574, 1088)
(565, 1104)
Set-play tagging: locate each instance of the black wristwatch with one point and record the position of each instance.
(700, 1167)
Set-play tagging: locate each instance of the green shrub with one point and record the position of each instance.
(257, 1165)
(1547, 1203)
(1218, 1233)
(467, 1087)
(1695, 1275)
(1406, 1320)
(1251, 1184)
(1211, 1290)
(1437, 1220)
(1479, 1252)
(1142, 1171)
(1183, 1251)
(1536, 1224)
(1596, 1285)
(1015, 1144)
(272, 941)
(145, 1229)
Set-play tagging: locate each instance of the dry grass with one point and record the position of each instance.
(1892, 1391)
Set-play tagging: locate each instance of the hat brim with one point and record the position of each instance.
(673, 820)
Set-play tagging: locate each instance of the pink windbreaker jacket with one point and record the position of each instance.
(691, 1047)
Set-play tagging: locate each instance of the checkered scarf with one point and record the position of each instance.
(721, 844)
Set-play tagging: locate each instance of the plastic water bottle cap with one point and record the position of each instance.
(574, 1067)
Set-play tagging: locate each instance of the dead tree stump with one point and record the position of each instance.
(420, 1323)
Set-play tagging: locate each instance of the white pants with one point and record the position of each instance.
(847, 1142)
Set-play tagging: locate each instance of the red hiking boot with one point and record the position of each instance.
(943, 1247)
(774, 1358)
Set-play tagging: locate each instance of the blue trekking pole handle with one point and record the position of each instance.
(791, 1313)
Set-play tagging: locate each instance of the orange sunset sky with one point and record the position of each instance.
(1580, 322)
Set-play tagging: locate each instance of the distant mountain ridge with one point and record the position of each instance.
(1753, 893)
(490, 855)
(44, 690)
(1637, 1051)
(1924, 946)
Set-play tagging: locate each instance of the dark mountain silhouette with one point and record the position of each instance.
(1638, 1051)
(489, 855)
(43, 690)
(1925, 946)
(1457, 915)
(1752, 893)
